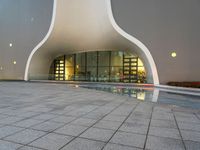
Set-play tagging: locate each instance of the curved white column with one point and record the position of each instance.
(87, 25)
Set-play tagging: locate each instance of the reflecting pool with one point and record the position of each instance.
(149, 94)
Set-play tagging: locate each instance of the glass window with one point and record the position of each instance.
(69, 60)
(80, 59)
(116, 74)
(104, 58)
(116, 58)
(103, 74)
(92, 59)
(91, 74)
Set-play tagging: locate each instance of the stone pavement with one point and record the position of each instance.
(48, 116)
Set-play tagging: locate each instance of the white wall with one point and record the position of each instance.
(165, 26)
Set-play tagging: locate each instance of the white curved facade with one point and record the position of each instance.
(79, 26)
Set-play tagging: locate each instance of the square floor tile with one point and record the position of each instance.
(159, 143)
(4, 145)
(134, 128)
(51, 141)
(165, 132)
(64, 119)
(112, 125)
(190, 145)
(129, 139)
(29, 148)
(84, 144)
(25, 136)
(71, 129)
(48, 126)
(84, 122)
(163, 123)
(8, 130)
(110, 146)
(190, 135)
(27, 123)
(98, 134)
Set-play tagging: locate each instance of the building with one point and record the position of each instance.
(137, 41)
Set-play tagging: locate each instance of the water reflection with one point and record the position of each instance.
(150, 94)
(138, 93)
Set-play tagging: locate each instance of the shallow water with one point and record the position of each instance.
(149, 94)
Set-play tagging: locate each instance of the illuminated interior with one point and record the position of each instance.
(99, 66)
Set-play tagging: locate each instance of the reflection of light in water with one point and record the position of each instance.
(141, 95)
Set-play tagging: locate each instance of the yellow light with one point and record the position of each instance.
(14, 62)
(77, 66)
(173, 54)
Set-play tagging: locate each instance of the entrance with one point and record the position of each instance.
(130, 69)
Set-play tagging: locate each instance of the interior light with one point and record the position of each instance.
(14, 62)
(173, 54)
(10, 44)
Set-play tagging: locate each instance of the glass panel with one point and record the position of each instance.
(116, 74)
(104, 58)
(80, 73)
(92, 59)
(92, 74)
(80, 59)
(69, 60)
(116, 58)
(103, 74)
(69, 73)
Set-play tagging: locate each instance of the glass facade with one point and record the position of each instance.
(99, 66)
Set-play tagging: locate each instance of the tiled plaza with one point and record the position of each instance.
(49, 116)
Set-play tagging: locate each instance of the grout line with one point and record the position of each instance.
(95, 123)
(121, 125)
(179, 131)
(148, 128)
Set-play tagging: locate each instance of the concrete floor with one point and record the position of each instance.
(35, 116)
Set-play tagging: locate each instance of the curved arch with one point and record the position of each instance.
(88, 36)
(135, 41)
(42, 42)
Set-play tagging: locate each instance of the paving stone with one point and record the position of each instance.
(134, 128)
(25, 136)
(190, 145)
(159, 143)
(164, 132)
(8, 130)
(114, 118)
(110, 146)
(51, 141)
(98, 134)
(164, 116)
(190, 135)
(48, 126)
(4, 145)
(29, 148)
(71, 129)
(129, 139)
(84, 144)
(189, 126)
(140, 121)
(190, 119)
(27, 123)
(44, 117)
(84, 122)
(64, 119)
(163, 123)
(10, 120)
(112, 125)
